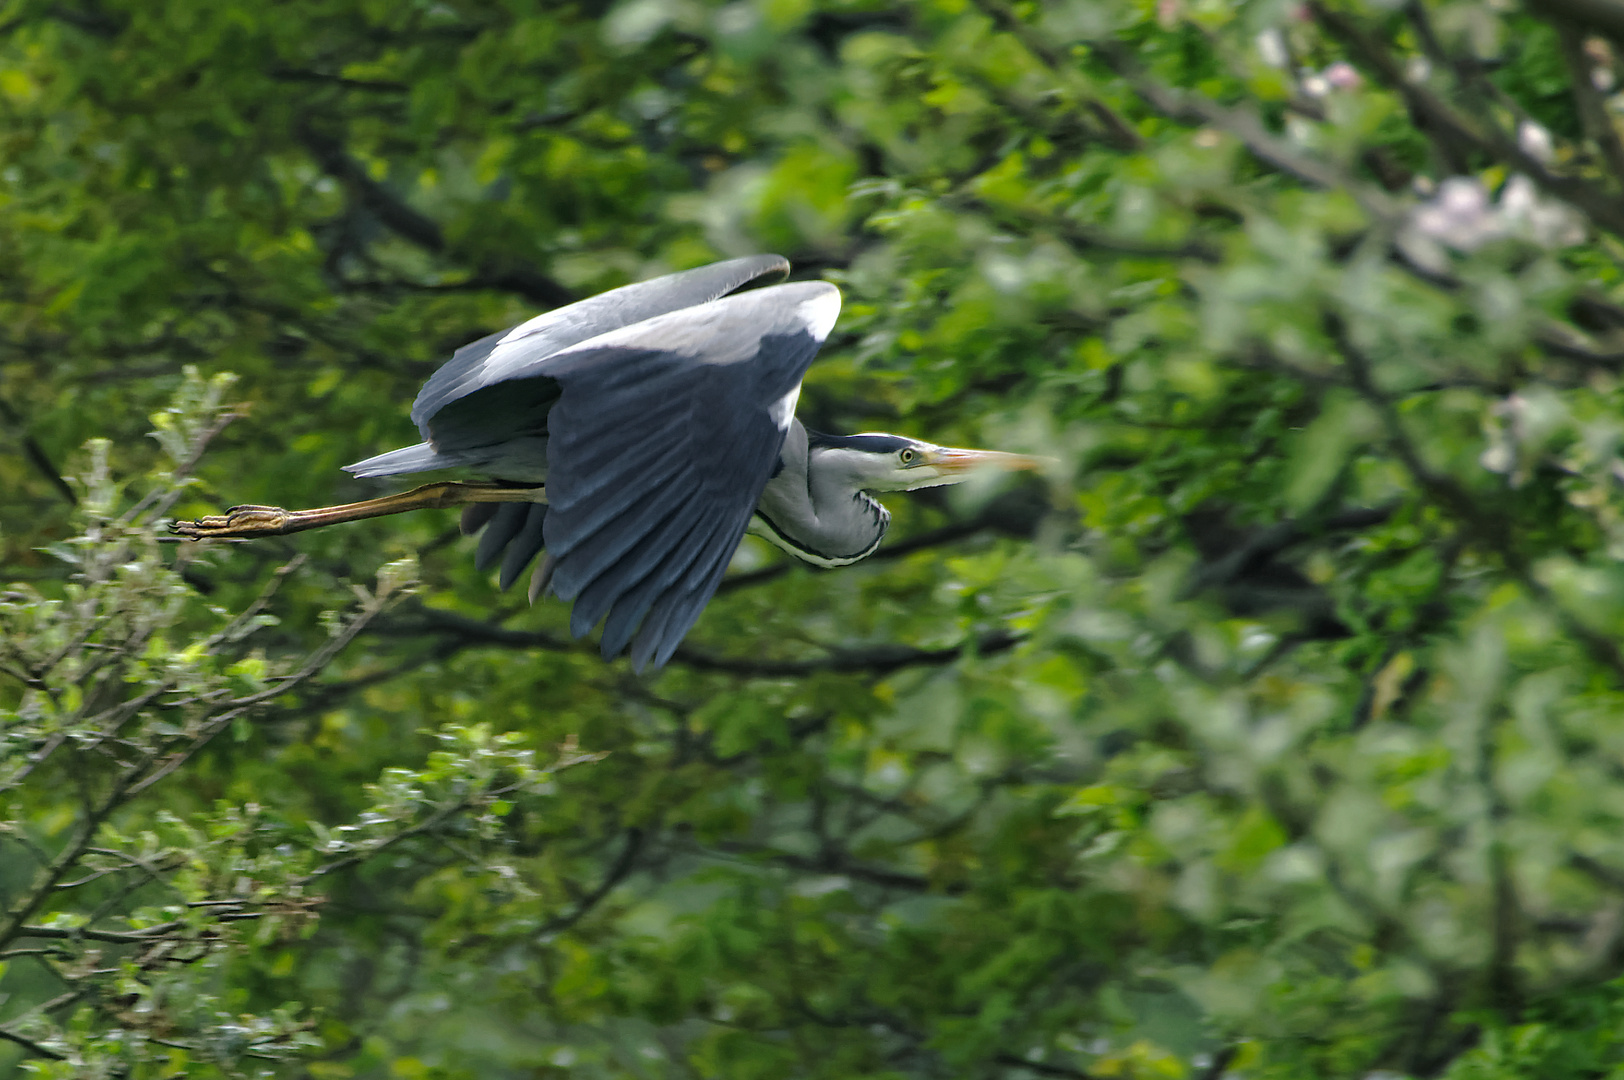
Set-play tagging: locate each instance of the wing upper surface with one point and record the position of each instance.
(510, 353)
(664, 434)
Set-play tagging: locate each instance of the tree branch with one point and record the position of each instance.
(827, 862)
(876, 660)
(1431, 111)
(1084, 237)
(1491, 529)
(1265, 544)
(1003, 16)
(114, 937)
(1593, 114)
(300, 75)
(617, 873)
(407, 222)
(30, 1045)
(1043, 1068)
(1245, 125)
(48, 876)
(36, 455)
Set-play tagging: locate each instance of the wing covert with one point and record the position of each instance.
(513, 353)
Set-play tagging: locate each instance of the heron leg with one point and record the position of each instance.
(249, 522)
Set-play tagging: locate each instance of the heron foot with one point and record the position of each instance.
(237, 523)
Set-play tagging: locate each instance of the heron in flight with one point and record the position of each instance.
(634, 437)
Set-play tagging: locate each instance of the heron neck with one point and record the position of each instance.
(820, 519)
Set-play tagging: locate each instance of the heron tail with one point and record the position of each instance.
(409, 459)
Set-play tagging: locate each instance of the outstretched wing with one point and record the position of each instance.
(486, 408)
(515, 353)
(662, 439)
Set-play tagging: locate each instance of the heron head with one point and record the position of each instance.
(878, 462)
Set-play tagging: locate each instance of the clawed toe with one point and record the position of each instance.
(239, 522)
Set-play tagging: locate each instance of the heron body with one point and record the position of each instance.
(660, 418)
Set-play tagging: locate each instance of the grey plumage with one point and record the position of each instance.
(648, 412)
(660, 417)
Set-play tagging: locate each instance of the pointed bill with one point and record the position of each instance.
(952, 461)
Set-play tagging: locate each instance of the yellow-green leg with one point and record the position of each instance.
(249, 522)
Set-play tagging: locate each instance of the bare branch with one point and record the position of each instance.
(300, 75)
(162, 498)
(828, 862)
(46, 950)
(1265, 544)
(1608, 877)
(240, 706)
(47, 877)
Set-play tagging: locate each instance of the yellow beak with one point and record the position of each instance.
(954, 461)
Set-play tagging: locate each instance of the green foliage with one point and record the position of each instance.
(1272, 734)
(139, 910)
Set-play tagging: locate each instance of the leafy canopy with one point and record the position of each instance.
(1274, 734)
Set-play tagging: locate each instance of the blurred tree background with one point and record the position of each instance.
(1278, 733)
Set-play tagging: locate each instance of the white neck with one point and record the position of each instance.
(816, 516)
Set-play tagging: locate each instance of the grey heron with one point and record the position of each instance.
(634, 437)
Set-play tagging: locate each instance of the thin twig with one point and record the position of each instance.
(1063, 70)
(427, 825)
(160, 499)
(46, 879)
(116, 937)
(30, 1045)
(617, 873)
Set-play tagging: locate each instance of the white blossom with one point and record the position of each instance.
(1271, 48)
(1462, 215)
(1535, 141)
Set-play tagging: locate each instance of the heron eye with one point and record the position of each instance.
(906, 456)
